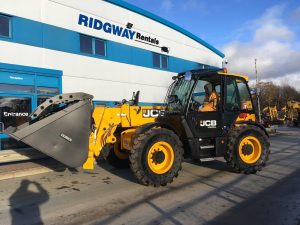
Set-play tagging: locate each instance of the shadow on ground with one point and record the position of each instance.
(25, 203)
(124, 173)
(278, 204)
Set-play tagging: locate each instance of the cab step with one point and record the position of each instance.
(207, 159)
(207, 147)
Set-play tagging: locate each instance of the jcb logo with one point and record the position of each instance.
(149, 113)
(208, 123)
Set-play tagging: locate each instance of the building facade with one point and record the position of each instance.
(107, 48)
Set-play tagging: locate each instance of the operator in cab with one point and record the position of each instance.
(211, 99)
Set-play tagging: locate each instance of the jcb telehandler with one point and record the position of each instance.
(292, 112)
(154, 139)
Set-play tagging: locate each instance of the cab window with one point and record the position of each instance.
(237, 94)
(199, 92)
(244, 94)
(206, 95)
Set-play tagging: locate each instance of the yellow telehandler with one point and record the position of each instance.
(271, 116)
(292, 111)
(154, 139)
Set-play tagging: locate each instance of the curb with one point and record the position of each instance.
(274, 134)
(23, 173)
(29, 168)
(17, 155)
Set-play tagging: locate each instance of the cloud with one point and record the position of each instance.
(290, 79)
(167, 5)
(272, 32)
(272, 42)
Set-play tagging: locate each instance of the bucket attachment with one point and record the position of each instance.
(60, 128)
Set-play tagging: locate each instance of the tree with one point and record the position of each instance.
(269, 94)
(288, 93)
(277, 95)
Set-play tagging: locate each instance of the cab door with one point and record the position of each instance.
(205, 124)
(238, 105)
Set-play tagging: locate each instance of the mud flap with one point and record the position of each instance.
(63, 134)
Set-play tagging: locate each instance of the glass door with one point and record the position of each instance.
(14, 111)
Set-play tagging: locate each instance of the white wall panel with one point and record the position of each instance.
(114, 91)
(19, 54)
(30, 9)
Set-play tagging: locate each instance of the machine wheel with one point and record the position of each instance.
(156, 157)
(116, 157)
(247, 149)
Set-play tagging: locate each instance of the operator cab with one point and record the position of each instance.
(207, 114)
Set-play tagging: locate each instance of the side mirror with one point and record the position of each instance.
(173, 99)
(135, 99)
(253, 94)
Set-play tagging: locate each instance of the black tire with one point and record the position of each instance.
(143, 147)
(232, 155)
(109, 154)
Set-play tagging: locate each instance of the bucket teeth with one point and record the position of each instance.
(57, 103)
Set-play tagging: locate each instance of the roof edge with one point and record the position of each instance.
(156, 18)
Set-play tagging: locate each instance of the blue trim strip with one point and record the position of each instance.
(45, 36)
(29, 69)
(164, 22)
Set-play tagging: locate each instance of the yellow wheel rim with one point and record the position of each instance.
(121, 154)
(250, 149)
(160, 157)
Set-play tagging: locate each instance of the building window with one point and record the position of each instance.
(5, 26)
(91, 45)
(48, 90)
(164, 61)
(45, 93)
(160, 61)
(99, 47)
(42, 99)
(86, 44)
(16, 88)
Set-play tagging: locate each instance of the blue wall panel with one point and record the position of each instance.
(60, 39)
(27, 32)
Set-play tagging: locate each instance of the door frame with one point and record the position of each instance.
(206, 116)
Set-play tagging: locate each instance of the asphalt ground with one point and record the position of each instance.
(204, 193)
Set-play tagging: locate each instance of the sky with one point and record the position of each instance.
(244, 30)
